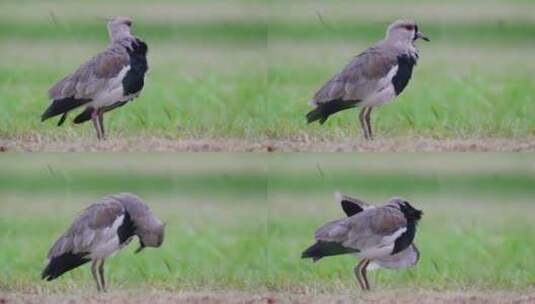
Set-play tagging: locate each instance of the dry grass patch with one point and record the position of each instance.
(304, 143)
(239, 297)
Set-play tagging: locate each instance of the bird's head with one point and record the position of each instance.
(148, 228)
(404, 31)
(119, 27)
(151, 235)
(406, 208)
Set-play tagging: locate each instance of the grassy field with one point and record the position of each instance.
(206, 79)
(238, 223)
(472, 234)
(246, 70)
(205, 245)
(472, 79)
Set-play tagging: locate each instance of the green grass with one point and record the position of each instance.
(241, 221)
(472, 236)
(213, 236)
(206, 78)
(216, 33)
(247, 69)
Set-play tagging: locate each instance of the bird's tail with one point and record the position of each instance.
(63, 263)
(84, 116)
(60, 106)
(322, 249)
(324, 110)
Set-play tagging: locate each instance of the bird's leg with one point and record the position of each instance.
(101, 124)
(357, 274)
(362, 119)
(101, 272)
(96, 123)
(95, 275)
(364, 270)
(368, 122)
(360, 273)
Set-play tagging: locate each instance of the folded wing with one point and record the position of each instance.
(96, 225)
(90, 79)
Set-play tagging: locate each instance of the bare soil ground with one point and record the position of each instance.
(188, 297)
(32, 143)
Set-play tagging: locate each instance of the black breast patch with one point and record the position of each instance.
(126, 230)
(404, 73)
(134, 79)
(405, 239)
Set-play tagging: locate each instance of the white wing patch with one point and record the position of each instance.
(390, 239)
(108, 241)
(403, 259)
(385, 248)
(113, 92)
(385, 91)
(391, 74)
(338, 197)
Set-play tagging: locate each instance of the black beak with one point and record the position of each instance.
(141, 247)
(419, 35)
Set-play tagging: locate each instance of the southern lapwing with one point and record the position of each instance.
(99, 231)
(374, 77)
(105, 82)
(379, 235)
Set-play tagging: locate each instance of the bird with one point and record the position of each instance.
(103, 228)
(376, 76)
(107, 81)
(379, 235)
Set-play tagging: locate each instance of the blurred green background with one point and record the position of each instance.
(246, 69)
(215, 236)
(474, 234)
(473, 80)
(207, 74)
(241, 221)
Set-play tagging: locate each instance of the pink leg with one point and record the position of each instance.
(368, 122)
(362, 119)
(96, 123)
(101, 124)
(360, 273)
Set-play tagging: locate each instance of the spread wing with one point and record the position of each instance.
(362, 76)
(351, 205)
(92, 76)
(371, 228)
(97, 223)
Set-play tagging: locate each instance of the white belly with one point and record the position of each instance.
(380, 97)
(384, 248)
(103, 250)
(376, 252)
(384, 93)
(107, 241)
(112, 93)
(107, 98)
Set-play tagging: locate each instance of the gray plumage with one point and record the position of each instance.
(380, 235)
(403, 259)
(100, 230)
(368, 229)
(374, 77)
(106, 81)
